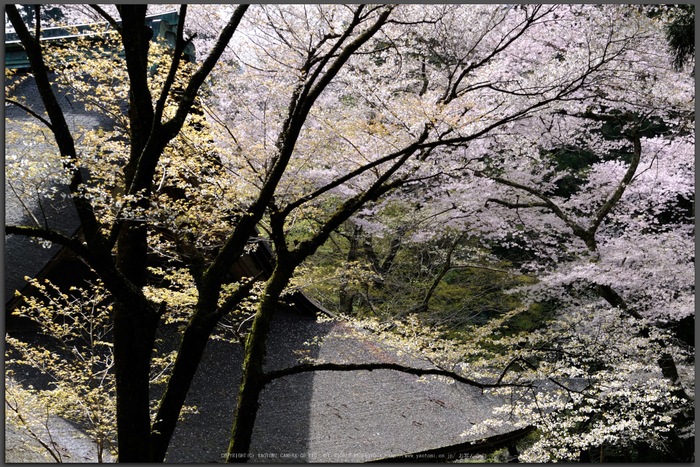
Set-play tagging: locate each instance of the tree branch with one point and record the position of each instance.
(331, 53)
(307, 367)
(445, 269)
(631, 170)
(173, 125)
(343, 57)
(517, 205)
(30, 112)
(180, 45)
(24, 205)
(108, 17)
(586, 235)
(505, 42)
(350, 206)
(51, 235)
(37, 26)
(407, 150)
(59, 126)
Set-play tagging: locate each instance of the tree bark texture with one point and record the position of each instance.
(253, 379)
(134, 334)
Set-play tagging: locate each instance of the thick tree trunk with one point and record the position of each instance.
(134, 334)
(253, 378)
(134, 339)
(194, 341)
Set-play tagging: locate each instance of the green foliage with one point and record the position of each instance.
(77, 359)
(472, 290)
(74, 354)
(534, 317)
(680, 33)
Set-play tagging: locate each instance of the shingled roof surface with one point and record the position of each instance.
(325, 416)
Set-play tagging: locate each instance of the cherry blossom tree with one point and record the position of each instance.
(393, 99)
(616, 230)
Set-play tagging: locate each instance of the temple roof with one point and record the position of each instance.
(328, 416)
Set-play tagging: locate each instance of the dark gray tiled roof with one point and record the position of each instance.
(325, 416)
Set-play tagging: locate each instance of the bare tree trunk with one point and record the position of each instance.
(443, 271)
(253, 378)
(345, 297)
(134, 335)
